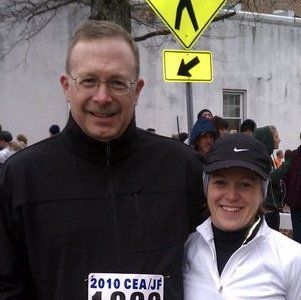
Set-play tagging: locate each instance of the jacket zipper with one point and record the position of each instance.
(113, 204)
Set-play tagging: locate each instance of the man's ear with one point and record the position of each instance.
(66, 86)
(138, 87)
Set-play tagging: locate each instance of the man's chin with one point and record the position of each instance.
(104, 136)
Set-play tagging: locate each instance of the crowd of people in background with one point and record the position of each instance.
(9, 146)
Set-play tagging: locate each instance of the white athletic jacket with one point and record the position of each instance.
(268, 267)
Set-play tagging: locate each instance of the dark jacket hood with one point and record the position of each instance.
(201, 127)
(299, 151)
(264, 135)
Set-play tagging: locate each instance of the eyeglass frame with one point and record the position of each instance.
(103, 82)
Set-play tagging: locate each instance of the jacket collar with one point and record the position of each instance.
(260, 229)
(91, 149)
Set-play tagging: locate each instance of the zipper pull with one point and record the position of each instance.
(108, 155)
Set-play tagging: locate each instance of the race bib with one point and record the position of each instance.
(115, 286)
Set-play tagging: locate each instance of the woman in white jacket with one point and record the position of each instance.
(234, 255)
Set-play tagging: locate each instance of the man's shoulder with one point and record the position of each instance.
(43, 149)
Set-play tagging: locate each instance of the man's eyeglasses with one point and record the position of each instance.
(90, 85)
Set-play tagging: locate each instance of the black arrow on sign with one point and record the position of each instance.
(184, 68)
(186, 4)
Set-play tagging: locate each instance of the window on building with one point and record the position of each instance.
(233, 108)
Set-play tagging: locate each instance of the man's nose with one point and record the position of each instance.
(103, 94)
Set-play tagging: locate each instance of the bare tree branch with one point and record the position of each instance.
(152, 34)
(166, 31)
(21, 20)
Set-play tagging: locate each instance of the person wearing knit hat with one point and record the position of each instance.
(234, 254)
(205, 113)
(248, 126)
(54, 129)
(203, 135)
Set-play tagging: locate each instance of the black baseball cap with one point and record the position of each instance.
(238, 150)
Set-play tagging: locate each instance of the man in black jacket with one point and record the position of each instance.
(102, 209)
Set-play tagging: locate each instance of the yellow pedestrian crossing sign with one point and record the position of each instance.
(187, 66)
(186, 19)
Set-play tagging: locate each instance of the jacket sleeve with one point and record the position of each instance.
(280, 172)
(12, 269)
(197, 199)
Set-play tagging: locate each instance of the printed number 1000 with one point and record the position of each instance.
(121, 296)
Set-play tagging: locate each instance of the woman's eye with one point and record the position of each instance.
(245, 184)
(219, 182)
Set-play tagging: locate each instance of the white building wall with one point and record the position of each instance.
(261, 58)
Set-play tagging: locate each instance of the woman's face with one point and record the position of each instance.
(234, 197)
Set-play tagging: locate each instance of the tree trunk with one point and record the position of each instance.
(118, 11)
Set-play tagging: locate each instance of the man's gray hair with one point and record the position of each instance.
(93, 30)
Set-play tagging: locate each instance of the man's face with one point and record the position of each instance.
(207, 115)
(276, 139)
(204, 142)
(102, 115)
(234, 197)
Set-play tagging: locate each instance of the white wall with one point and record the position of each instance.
(264, 59)
(30, 94)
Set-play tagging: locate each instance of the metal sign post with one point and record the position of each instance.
(189, 104)
(187, 20)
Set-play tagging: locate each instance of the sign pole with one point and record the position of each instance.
(178, 124)
(189, 103)
(187, 66)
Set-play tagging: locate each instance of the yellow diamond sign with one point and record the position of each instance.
(187, 66)
(186, 19)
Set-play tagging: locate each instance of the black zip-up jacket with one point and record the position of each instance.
(71, 205)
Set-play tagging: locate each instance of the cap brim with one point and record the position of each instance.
(225, 164)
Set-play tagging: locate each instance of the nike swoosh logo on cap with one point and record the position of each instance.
(240, 150)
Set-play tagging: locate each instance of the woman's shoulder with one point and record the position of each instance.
(285, 247)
